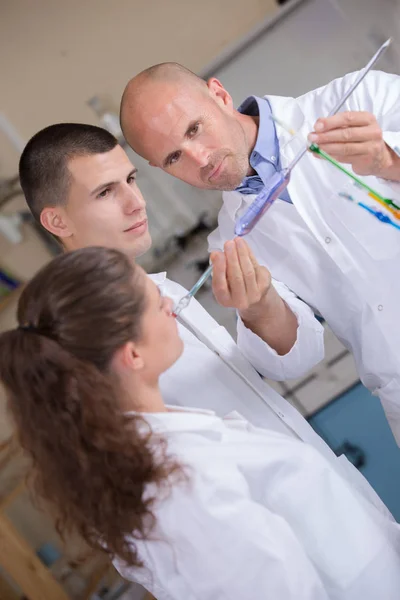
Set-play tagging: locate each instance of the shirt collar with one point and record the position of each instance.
(255, 106)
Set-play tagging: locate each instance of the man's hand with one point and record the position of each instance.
(240, 282)
(356, 138)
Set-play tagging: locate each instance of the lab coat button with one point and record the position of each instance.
(327, 240)
(380, 307)
(273, 158)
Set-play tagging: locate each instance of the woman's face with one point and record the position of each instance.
(160, 345)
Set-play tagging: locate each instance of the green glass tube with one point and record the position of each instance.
(371, 192)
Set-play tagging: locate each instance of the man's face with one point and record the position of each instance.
(105, 206)
(193, 135)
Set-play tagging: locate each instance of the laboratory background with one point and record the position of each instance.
(69, 61)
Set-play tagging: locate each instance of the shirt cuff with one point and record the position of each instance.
(392, 139)
(307, 351)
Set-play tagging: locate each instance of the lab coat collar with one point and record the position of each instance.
(158, 278)
(288, 144)
(183, 419)
(290, 112)
(266, 136)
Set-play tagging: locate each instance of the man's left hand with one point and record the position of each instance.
(238, 280)
(356, 138)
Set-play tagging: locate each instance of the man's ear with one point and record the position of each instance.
(54, 220)
(219, 93)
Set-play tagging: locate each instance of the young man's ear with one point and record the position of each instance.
(53, 219)
(219, 93)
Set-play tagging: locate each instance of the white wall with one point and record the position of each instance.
(55, 55)
(311, 46)
(378, 19)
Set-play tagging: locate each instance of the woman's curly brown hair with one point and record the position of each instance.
(91, 462)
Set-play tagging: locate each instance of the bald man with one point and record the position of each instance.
(335, 256)
(267, 315)
(146, 116)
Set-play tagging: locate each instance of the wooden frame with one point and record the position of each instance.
(17, 558)
(20, 561)
(6, 591)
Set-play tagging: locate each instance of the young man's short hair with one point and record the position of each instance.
(43, 166)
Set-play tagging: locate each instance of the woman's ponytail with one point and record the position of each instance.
(91, 462)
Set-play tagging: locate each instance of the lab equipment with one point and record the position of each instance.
(184, 302)
(376, 213)
(386, 202)
(280, 180)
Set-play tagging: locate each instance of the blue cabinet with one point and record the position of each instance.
(355, 424)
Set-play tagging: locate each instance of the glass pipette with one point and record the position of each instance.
(184, 302)
(279, 181)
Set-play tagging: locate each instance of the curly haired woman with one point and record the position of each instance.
(188, 504)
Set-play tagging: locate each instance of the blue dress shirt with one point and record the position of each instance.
(264, 158)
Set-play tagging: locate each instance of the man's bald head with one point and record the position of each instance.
(167, 72)
(186, 126)
(155, 80)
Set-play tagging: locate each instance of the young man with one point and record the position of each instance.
(330, 252)
(81, 185)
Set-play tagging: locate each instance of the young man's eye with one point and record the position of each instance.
(131, 179)
(104, 193)
(174, 158)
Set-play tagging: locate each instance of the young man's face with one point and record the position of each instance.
(105, 206)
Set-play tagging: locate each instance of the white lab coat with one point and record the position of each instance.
(261, 405)
(263, 516)
(334, 255)
(186, 388)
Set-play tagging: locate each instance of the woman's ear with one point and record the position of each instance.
(127, 358)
